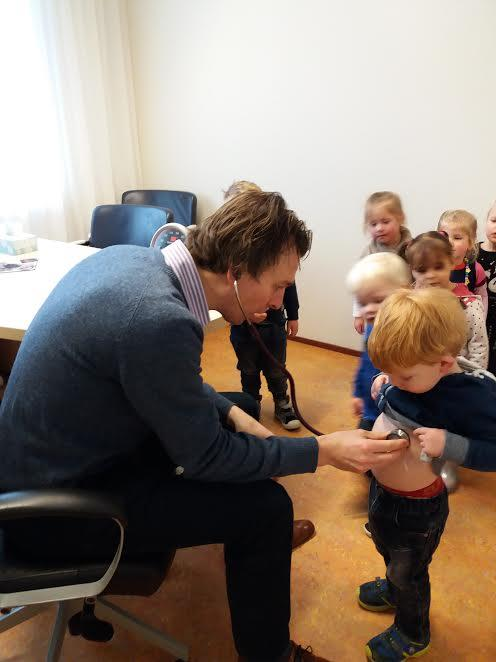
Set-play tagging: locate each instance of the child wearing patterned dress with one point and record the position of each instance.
(430, 256)
(385, 222)
(460, 227)
(487, 258)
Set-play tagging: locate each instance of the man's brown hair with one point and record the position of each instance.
(248, 234)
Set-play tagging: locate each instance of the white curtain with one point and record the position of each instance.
(68, 130)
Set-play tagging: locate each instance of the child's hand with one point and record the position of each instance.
(359, 324)
(292, 327)
(377, 384)
(432, 440)
(357, 406)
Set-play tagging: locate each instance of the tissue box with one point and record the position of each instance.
(17, 244)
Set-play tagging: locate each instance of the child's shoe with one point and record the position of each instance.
(284, 413)
(393, 646)
(375, 596)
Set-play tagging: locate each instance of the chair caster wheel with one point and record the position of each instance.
(88, 626)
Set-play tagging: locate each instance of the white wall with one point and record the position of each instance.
(324, 101)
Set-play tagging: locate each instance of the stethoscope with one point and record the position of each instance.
(292, 387)
(394, 434)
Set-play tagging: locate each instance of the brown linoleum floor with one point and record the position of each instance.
(192, 606)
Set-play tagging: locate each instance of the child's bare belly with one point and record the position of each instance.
(408, 473)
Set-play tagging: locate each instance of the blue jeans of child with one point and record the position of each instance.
(406, 532)
(252, 360)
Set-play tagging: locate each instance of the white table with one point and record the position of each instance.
(23, 293)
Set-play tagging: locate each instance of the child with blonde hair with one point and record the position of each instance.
(371, 280)
(385, 222)
(274, 329)
(460, 226)
(416, 338)
(487, 259)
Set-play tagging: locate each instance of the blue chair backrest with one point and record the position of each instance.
(126, 224)
(181, 203)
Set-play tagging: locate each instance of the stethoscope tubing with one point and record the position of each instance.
(282, 367)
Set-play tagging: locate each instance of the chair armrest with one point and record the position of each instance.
(59, 503)
(62, 503)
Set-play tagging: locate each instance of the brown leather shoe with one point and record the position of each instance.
(303, 531)
(298, 654)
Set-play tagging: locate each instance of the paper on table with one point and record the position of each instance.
(9, 264)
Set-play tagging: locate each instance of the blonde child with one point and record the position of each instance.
(416, 338)
(487, 259)
(371, 280)
(385, 223)
(430, 257)
(460, 227)
(274, 329)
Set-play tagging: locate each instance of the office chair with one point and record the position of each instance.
(74, 585)
(126, 224)
(181, 203)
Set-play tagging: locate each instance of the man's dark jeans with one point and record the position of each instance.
(254, 522)
(252, 360)
(407, 532)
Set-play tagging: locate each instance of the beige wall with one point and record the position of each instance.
(325, 101)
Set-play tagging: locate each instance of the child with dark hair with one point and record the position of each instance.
(274, 329)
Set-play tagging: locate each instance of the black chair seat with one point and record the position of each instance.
(131, 578)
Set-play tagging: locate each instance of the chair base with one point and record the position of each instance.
(113, 613)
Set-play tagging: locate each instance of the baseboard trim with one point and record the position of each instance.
(326, 345)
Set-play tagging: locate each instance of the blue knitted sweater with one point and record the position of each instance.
(110, 363)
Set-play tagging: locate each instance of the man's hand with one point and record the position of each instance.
(359, 324)
(432, 440)
(359, 450)
(377, 384)
(357, 406)
(292, 327)
(242, 422)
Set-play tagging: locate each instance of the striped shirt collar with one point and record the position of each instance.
(179, 259)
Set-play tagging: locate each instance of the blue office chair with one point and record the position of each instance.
(74, 585)
(126, 224)
(181, 203)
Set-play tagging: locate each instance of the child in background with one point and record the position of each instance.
(416, 338)
(385, 222)
(487, 259)
(273, 331)
(430, 256)
(371, 281)
(460, 227)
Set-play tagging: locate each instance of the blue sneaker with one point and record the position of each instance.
(393, 646)
(374, 596)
